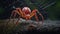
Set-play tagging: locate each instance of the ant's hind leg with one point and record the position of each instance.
(42, 17)
(18, 20)
(36, 18)
(10, 17)
(14, 17)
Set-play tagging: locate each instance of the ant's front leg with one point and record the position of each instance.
(32, 13)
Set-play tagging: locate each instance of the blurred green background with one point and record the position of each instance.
(53, 11)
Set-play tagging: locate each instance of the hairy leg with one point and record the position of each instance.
(32, 13)
(14, 15)
(36, 17)
(10, 17)
(17, 20)
(20, 12)
(42, 17)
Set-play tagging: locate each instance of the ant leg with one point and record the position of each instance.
(18, 20)
(19, 11)
(32, 13)
(10, 17)
(14, 15)
(42, 17)
(36, 17)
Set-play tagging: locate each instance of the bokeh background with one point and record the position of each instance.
(52, 11)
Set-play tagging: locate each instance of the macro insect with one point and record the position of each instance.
(26, 13)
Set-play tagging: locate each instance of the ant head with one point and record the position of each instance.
(26, 9)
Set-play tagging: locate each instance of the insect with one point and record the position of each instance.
(26, 13)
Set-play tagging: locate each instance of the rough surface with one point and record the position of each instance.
(48, 25)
